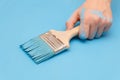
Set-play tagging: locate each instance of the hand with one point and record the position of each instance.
(95, 18)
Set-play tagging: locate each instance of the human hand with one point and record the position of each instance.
(95, 18)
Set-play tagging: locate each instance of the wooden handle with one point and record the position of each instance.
(65, 36)
(73, 32)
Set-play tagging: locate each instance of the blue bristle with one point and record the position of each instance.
(30, 43)
(33, 46)
(43, 58)
(38, 49)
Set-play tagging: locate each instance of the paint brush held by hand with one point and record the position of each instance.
(48, 44)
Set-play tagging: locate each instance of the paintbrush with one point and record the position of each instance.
(48, 44)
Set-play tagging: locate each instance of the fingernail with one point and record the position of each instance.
(93, 34)
(97, 35)
(82, 36)
(104, 32)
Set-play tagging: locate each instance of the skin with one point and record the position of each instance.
(95, 18)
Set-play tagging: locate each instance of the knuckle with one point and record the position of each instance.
(109, 21)
(87, 19)
(86, 22)
(96, 19)
(103, 22)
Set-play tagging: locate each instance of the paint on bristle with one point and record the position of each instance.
(38, 49)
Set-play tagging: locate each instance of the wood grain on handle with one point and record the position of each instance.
(66, 36)
(73, 32)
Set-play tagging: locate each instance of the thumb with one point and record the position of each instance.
(73, 19)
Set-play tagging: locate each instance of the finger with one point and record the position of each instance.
(94, 26)
(84, 30)
(108, 17)
(109, 23)
(73, 19)
(101, 28)
(84, 26)
(96, 19)
(93, 30)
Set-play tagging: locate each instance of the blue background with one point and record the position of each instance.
(21, 20)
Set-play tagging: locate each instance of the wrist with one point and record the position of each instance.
(109, 1)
